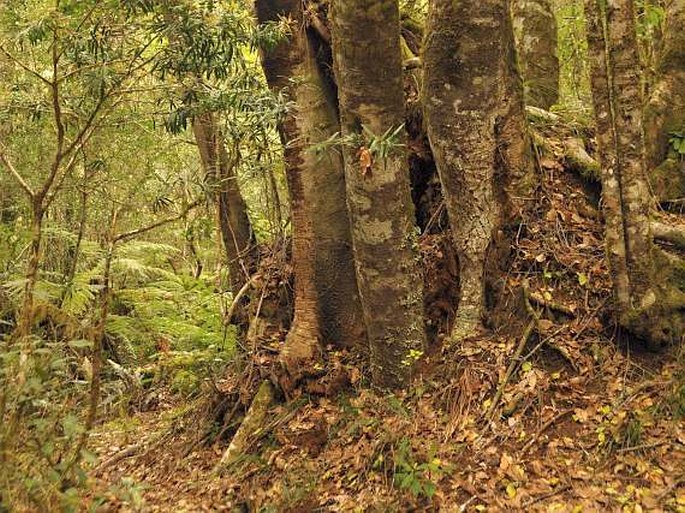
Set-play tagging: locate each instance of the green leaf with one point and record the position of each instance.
(80, 344)
(582, 279)
(71, 426)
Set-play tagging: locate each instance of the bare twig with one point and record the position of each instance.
(139, 231)
(20, 180)
(515, 359)
(25, 67)
(544, 428)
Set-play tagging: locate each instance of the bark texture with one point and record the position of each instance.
(339, 305)
(648, 305)
(535, 28)
(234, 223)
(326, 298)
(477, 129)
(368, 70)
(665, 110)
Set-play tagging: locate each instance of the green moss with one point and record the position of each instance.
(662, 323)
(668, 180)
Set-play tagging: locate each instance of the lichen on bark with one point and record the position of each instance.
(648, 303)
(368, 71)
(477, 129)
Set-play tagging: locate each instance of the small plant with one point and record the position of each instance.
(419, 478)
(377, 146)
(620, 430)
(676, 141)
(412, 357)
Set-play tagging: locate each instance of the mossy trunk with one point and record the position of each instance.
(647, 304)
(234, 223)
(25, 320)
(535, 28)
(665, 110)
(368, 69)
(477, 129)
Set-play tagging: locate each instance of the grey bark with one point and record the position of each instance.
(477, 129)
(535, 28)
(648, 304)
(368, 69)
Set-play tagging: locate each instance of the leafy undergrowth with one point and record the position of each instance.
(587, 420)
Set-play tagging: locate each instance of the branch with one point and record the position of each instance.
(236, 299)
(319, 26)
(145, 229)
(59, 124)
(13, 171)
(671, 234)
(25, 67)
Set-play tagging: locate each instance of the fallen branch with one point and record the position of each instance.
(670, 234)
(540, 301)
(133, 450)
(538, 114)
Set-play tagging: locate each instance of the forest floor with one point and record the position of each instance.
(587, 420)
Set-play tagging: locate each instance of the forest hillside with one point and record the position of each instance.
(342, 255)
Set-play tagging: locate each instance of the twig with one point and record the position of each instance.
(642, 446)
(512, 366)
(542, 343)
(139, 231)
(20, 179)
(547, 495)
(515, 360)
(540, 301)
(544, 428)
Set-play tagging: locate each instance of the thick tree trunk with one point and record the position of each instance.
(234, 223)
(535, 28)
(368, 69)
(477, 130)
(648, 305)
(665, 110)
(326, 299)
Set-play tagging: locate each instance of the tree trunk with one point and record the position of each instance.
(477, 131)
(535, 28)
(324, 180)
(234, 223)
(647, 304)
(322, 247)
(25, 320)
(368, 69)
(283, 67)
(665, 110)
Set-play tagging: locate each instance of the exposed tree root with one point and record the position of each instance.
(579, 160)
(251, 426)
